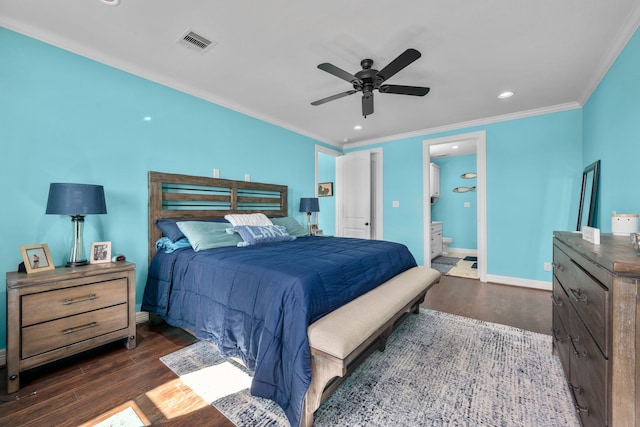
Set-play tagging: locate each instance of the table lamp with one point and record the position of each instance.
(76, 200)
(309, 205)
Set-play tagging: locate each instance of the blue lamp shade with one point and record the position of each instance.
(309, 204)
(76, 199)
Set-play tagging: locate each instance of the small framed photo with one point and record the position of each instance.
(37, 258)
(325, 189)
(100, 252)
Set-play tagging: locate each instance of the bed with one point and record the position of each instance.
(256, 302)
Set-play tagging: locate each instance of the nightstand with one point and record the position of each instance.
(57, 313)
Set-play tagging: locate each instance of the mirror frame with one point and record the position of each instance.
(594, 170)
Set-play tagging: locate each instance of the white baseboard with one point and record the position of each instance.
(141, 317)
(463, 251)
(524, 283)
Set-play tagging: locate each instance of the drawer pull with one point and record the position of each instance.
(555, 332)
(577, 295)
(89, 297)
(557, 266)
(80, 328)
(580, 354)
(580, 409)
(556, 301)
(576, 388)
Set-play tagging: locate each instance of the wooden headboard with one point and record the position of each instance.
(186, 197)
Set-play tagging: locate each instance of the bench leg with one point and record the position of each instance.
(322, 371)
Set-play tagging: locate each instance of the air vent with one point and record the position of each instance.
(196, 42)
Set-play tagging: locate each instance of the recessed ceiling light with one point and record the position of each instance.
(111, 2)
(506, 94)
(357, 127)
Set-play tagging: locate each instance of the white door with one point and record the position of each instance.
(353, 193)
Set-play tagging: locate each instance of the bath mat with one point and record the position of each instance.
(449, 260)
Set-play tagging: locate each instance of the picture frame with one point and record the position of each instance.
(325, 189)
(100, 252)
(315, 231)
(37, 258)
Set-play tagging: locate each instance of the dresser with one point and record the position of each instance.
(57, 313)
(596, 326)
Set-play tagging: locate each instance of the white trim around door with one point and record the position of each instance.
(479, 138)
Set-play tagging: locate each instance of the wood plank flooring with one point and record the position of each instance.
(97, 383)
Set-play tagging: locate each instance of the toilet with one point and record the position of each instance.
(446, 241)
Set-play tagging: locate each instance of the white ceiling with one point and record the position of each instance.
(551, 53)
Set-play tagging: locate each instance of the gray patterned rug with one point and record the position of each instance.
(438, 370)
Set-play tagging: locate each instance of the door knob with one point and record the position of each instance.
(366, 223)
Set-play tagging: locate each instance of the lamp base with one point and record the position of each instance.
(77, 263)
(77, 256)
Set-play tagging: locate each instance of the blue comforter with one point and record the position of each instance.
(256, 302)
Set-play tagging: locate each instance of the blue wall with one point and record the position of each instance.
(65, 118)
(612, 134)
(458, 222)
(534, 172)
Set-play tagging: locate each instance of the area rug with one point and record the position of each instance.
(444, 263)
(438, 369)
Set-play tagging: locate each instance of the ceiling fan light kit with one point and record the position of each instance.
(369, 79)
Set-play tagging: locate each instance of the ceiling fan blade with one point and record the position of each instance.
(404, 90)
(338, 72)
(333, 97)
(367, 104)
(405, 58)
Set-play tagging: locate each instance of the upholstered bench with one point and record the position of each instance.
(342, 339)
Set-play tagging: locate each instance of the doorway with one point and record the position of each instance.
(476, 140)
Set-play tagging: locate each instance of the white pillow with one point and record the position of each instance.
(248, 219)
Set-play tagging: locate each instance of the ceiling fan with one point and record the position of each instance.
(368, 79)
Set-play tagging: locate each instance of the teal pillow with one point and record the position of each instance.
(208, 235)
(292, 226)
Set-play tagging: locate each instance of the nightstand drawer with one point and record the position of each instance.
(51, 305)
(48, 336)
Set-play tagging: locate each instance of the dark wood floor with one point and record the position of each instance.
(522, 308)
(98, 383)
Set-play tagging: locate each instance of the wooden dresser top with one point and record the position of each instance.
(614, 253)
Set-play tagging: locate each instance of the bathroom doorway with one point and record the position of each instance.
(471, 143)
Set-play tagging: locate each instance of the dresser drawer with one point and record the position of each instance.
(51, 305)
(562, 342)
(59, 333)
(588, 376)
(560, 302)
(589, 298)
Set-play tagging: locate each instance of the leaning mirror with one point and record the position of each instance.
(589, 196)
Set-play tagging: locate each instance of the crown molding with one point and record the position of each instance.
(472, 123)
